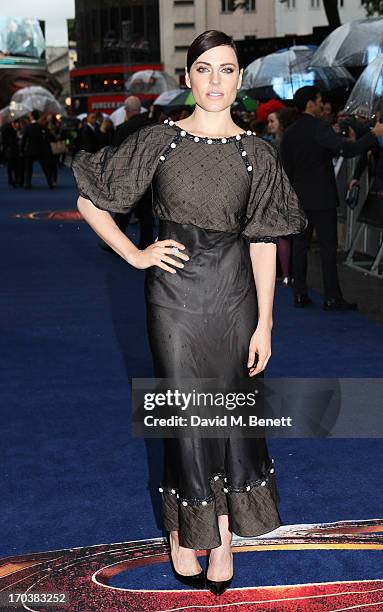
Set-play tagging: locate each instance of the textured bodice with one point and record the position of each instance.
(234, 184)
(203, 181)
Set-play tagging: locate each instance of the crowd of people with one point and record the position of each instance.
(308, 135)
(30, 139)
(47, 139)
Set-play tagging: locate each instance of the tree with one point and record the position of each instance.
(373, 7)
(331, 10)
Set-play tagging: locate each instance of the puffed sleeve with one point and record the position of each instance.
(115, 178)
(273, 209)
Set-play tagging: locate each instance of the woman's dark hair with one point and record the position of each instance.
(205, 41)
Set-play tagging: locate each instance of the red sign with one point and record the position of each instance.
(107, 103)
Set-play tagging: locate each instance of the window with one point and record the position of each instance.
(341, 3)
(182, 2)
(117, 32)
(178, 26)
(315, 4)
(290, 4)
(251, 5)
(227, 6)
(181, 47)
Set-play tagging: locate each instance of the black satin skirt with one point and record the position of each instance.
(200, 322)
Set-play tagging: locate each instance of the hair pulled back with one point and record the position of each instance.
(205, 41)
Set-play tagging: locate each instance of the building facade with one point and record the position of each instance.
(114, 39)
(300, 16)
(182, 20)
(58, 65)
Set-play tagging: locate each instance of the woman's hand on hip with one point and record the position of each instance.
(260, 345)
(158, 254)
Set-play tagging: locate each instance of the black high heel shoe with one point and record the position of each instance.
(217, 587)
(197, 581)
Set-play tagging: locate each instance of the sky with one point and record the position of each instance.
(54, 12)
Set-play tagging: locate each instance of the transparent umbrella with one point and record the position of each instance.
(282, 73)
(150, 82)
(366, 98)
(356, 43)
(167, 97)
(33, 98)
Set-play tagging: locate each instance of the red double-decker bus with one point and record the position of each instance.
(103, 88)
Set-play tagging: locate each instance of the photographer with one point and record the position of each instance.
(307, 152)
(373, 160)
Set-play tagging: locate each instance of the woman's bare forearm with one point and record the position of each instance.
(104, 225)
(263, 259)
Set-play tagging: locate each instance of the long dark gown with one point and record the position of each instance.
(215, 196)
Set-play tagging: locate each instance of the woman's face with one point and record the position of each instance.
(214, 78)
(272, 124)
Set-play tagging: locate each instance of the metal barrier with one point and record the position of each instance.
(360, 240)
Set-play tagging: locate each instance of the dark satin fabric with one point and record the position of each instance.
(200, 322)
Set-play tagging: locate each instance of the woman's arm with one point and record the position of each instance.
(104, 225)
(263, 259)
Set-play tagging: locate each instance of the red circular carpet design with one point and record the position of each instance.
(83, 574)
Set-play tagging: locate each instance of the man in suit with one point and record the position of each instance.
(34, 148)
(10, 152)
(89, 137)
(307, 151)
(134, 120)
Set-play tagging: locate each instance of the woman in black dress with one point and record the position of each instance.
(222, 200)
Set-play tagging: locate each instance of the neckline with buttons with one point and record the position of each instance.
(206, 139)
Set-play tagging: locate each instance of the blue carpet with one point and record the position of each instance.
(73, 332)
(271, 568)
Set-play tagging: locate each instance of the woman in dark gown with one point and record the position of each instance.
(222, 200)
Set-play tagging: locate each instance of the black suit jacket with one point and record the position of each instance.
(89, 139)
(133, 124)
(33, 141)
(10, 144)
(307, 150)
